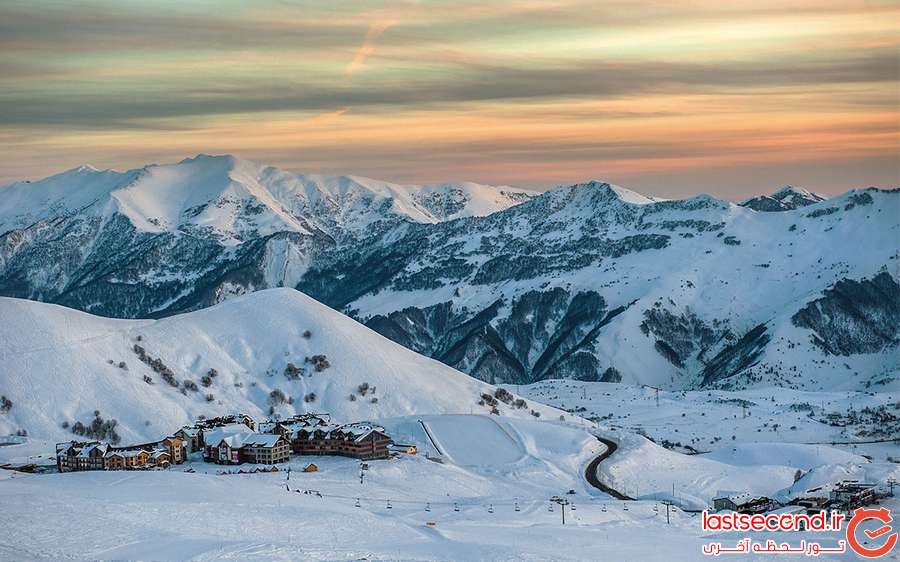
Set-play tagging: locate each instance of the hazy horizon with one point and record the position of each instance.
(764, 190)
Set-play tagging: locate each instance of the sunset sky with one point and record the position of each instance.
(667, 98)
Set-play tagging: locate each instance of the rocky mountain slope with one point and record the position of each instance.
(271, 353)
(589, 281)
(586, 283)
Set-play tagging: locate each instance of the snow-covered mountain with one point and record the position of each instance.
(167, 238)
(588, 281)
(787, 198)
(274, 352)
(583, 282)
(234, 199)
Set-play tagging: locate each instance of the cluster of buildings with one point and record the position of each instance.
(95, 455)
(845, 495)
(241, 440)
(234, 439)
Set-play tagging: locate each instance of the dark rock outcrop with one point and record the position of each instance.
(854, 316)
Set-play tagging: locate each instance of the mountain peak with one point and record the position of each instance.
(611, 191)
(787, 198)
(203, 157)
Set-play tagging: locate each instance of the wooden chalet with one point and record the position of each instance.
(191, 437)
(128, 459)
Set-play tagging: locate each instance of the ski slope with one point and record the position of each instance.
(475, 440)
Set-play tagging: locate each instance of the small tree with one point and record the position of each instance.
(5, 404)
(503, 395)
(319, 362)
(293, 372)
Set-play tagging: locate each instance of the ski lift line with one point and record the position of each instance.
(460, 503)
(412, 502)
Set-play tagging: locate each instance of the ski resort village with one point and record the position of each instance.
(232, 439)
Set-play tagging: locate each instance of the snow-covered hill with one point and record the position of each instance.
(60, 365)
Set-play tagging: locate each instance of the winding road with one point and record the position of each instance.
(590, 473)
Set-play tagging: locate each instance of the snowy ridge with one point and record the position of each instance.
(236, 198)
(60, 365)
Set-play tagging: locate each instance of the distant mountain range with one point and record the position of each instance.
(588, 281)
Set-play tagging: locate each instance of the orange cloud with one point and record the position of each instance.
(326, 117)
(368, 45)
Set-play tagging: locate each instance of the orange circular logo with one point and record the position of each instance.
(864, 550)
